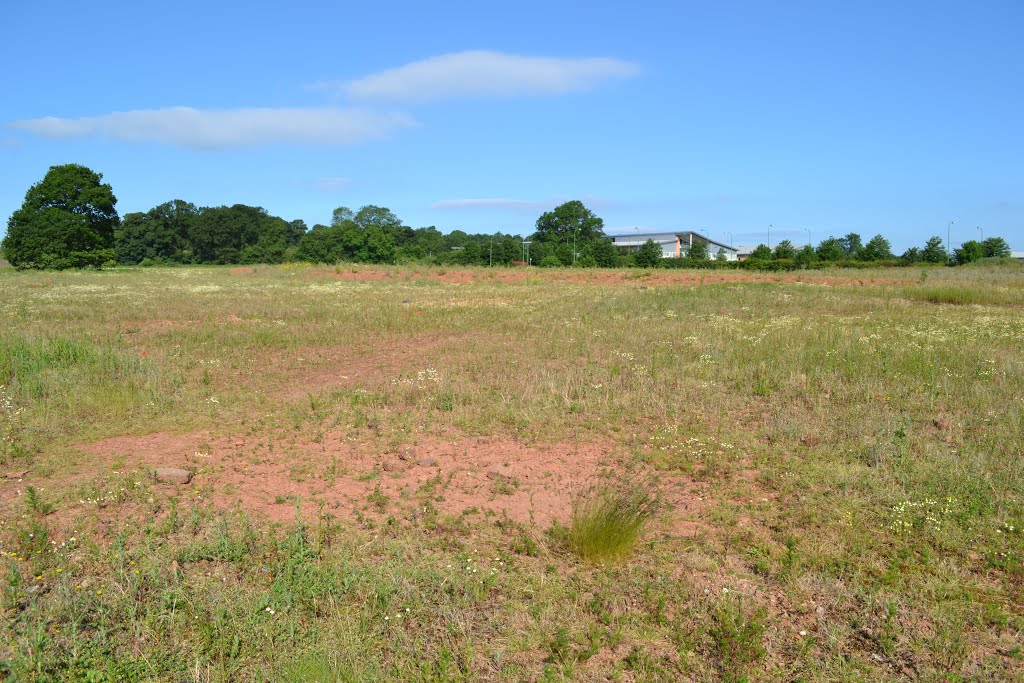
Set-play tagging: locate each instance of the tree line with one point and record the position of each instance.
(69, 220)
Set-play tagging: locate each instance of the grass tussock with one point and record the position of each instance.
(609, 517)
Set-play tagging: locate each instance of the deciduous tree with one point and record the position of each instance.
(66, 221)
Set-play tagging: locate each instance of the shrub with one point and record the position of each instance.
(609, 517)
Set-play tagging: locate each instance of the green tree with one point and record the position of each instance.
(830, 249)
(161, 234)
(934, 251)
(605, 253)
(380, 245)
(322, 244)
(67, 220)
(877, 249)
(341, 214)
(851, 245)
(698, 251)
(378, 216)
(649, 254)
(296, 229)
(784, 250)
(912, 255)
(568, 220)
(969, 252)
(806, 257)
(995, 247)
(760, 253)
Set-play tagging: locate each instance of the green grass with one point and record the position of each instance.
(610, 517)
(851, 454)
(963, 295)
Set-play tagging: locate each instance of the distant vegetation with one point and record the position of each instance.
(69, 220)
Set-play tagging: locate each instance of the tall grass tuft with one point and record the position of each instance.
(609, 517)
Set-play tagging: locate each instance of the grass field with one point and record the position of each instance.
(387, 463)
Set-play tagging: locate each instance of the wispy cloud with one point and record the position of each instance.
(331, 185)
(493, 203)
(216, 129)
(481, 73)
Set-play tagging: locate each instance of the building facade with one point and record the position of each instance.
(673, 244)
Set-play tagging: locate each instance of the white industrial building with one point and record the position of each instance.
(673, 244)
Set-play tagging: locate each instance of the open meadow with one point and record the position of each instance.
(386, 462)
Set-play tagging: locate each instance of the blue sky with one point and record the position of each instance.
(873, 117)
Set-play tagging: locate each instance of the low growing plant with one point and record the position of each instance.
(609, 517)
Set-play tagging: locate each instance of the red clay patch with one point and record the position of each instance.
(491, 477)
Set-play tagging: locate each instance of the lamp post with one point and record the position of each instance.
(526, 251)
(982, 233)
(730, 237)
(769, 235)
(949, 227)
(574, 245)
(808, 236)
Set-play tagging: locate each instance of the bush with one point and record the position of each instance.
(609, 517)
(551, 261)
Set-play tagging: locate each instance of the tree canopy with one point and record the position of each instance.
(66, 221)
(649, 254)
(565, 221)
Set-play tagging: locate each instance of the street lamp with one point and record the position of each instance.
(730, 237)
(808, 236)
(526, 251)
(982, 233)
(949, 227)
(769, 235)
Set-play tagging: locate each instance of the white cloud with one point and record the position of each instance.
(493, 203)
(214, 129)
(331, 185)
(480, 73)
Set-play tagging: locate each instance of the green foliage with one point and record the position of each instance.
(698, 251)
(66, 221)
(784, 250)
(609, 517)
(911, 256)
(738, 634)
(995, 247)
(761, 253)
(830, 250)
(159, 235)
(605, 253)
(947, 294)
(851, 245)
(969, 252)
(649, 254)
(934, 251)
(877, 249)
(806, 257)
(551, 261)
(566, 220)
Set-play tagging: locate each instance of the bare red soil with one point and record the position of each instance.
(492, 477)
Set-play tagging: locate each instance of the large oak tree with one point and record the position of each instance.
(66, 221)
